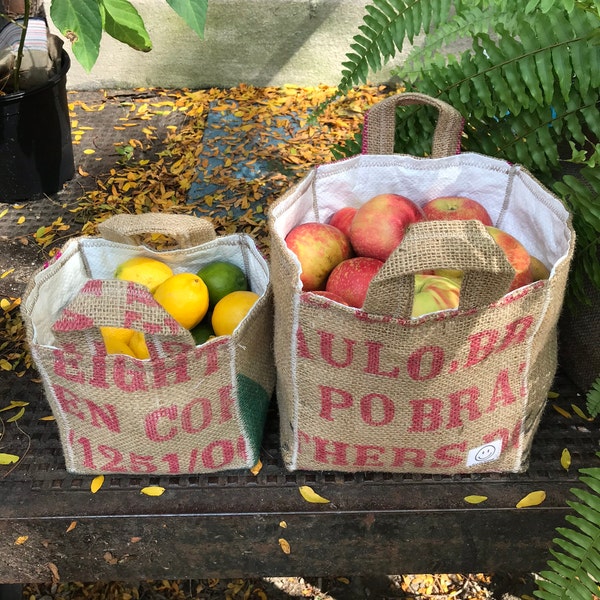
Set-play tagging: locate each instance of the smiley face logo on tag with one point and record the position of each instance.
(484, 454)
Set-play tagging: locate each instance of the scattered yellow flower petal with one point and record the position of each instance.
(16, 416)
(153, 490)
(553, 395)
(21, 540)
(565, 459)
(71, 526)
(20, 220)
(532, 499)
(89, 151)
(311, 496)
(7, 273)
(8, 459)
(255, 470)
(96, 483)
(284, 545)
(561, 411)
(282, 524)
(474, 499)
(48, 418)
(580, 413)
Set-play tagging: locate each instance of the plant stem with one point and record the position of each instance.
(24, 25)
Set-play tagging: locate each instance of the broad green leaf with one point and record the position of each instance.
(123, 22)
(80, 21)
(193, 12)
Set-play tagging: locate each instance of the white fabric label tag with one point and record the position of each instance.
(484, 454)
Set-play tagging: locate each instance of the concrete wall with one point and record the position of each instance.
(258, 42)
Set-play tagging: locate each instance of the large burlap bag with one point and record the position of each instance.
(186, 409)
(456, 391)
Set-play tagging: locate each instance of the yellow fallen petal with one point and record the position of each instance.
(561, 411)
(553, 395)
(255, 470)
(475, 499)
(311, 496)
(283, 524)
(21, 540)
(580, 413)
(532, 499)
(16, 416)
(153, 490)
(8, 459)
(565, 459)
(96, 483)
(284, 545)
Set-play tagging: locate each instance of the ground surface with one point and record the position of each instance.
(224, 154)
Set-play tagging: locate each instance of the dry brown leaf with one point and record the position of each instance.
(135, 539)
(532, 499)
(72, 526)
(54, 570)
(284, 545)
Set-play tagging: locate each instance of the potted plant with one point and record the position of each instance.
(36, 155)
(524, 77)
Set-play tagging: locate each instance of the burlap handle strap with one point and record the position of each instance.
(462, 245)
(115, 303)
(380, 123)
(188, 231)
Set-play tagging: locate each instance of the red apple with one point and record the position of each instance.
(539, 270)
(379, 224)
(319, 247)
(456, 208)
(433, 293)
(343, 218)
(351, 278)
(330, 296)
(516, 254)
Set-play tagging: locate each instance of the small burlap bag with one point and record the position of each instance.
(186, 409)
(456, 391)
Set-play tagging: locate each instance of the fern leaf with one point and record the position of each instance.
(593, 399)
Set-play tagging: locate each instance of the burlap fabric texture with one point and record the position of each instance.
(457, 391)
(186, 409)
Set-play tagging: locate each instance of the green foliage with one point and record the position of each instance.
(593, 399)
(523, 79)
(575, 572)
(84, 21)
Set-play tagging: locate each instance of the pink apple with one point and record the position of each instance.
(456, 208)
(351, 278)
(434, 293)
(343, 218)
(454, 274)
(319, 247)
(516, 254)
(330, 296)
(379, 224)
(539, 270)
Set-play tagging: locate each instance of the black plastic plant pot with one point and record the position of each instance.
(36, 150)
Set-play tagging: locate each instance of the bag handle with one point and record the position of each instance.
(188, 231)
(115, 303)
(463, 245)
(380, 123)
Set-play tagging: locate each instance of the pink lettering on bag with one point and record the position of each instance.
(331, 452)
(68, 401)
(67, 363)
(128, 374)
(72, 321)
(93, 287)
(326, 348)
(445, 458)
(328, 404)
(380, 404)
(425, 363)
(177, 370)
(302, 346)
(502, 394)
(373, 361)
(457, 407)
(151, 423)
(201, 417)
(516, 332)
(369, 456)
(227, 403)
(426, 415)
(218, 454)
(105, 415)
(98, 379)
(481, 345)
(408, 456)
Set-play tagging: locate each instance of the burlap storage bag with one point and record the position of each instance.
(456, 391)
(186, 409)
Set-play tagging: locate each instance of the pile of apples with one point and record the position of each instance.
(339, 259)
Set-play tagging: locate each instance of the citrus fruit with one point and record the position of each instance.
(138, 344)
(222, 278)
(145, 270)
(202, 332)
(231, 309)
(116, 340)
(185, 297)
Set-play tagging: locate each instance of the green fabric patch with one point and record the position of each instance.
(254, 403)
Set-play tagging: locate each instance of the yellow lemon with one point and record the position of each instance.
(138, 344)
(145, 270)
(117, 334)
(117, 346)
(185, 297)
(230, 310)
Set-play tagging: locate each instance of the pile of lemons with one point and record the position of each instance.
(209, 303)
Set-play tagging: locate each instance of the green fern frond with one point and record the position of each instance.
(387, 25)
(593, 399)
(575, 572)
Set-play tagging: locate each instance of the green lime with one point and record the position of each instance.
(222, 278)
(202, 332)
